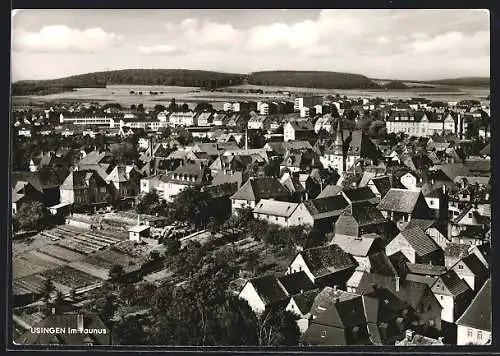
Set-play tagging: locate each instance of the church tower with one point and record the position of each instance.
(338, 149)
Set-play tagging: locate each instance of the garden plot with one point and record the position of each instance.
(88, 242)
(23, 266)
(28, 285)
(70, 277)
(61, 253)
(106, 259)
(93, 270)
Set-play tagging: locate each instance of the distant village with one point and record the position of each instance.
(324, 220)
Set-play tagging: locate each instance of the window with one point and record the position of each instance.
(460, 266)
(323, 333)
(431, 202)
(479, 335)
(470, 215)
(441, 297)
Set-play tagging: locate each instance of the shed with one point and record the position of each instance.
(137, 232)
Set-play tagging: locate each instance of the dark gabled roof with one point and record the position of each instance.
(327, 308)
(78, 179)
(329, 191)
(383, 184)
(305, 300)
(381, 264)
(420, 241)
(325, 207)
(40, 180)
(188, 174)
(426, 269)
(302, 125)
(423, 224)
(409, 292)
(91, 321)
(261, 188)
(326, 260)
(474, 264)
(453, 283)
(364, 213)
(359, 194)
(400, 200)
(478, 314)
(269, 289)
(296, 282)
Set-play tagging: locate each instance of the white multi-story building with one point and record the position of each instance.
(187, 118)
(306, 101)
(88, 120)
(420, 123)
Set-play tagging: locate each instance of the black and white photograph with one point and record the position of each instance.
(250, 178)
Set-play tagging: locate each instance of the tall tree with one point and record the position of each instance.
(129, 331)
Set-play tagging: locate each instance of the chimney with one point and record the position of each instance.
(79, 322)
(397, 284)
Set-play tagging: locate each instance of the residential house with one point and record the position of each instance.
(84, 188)
(325, 266)
(453, 294)
(338, 318)
(472, 271)
(185, 119)
(416, 246)
(482, 252)
(257, 122)
(362, 218)
(264, 292)
(325, 122)
(205, 118)
(300, 304)
(436, 229)
(416, 298)
(320, 213)
(402, 205)
(256, 189)
(151, 184)
(299, 161)
(474, 326)
(125, 180)
(191, 174)
(298, 130)
(42, 185)
(368, 251)
(274, 211)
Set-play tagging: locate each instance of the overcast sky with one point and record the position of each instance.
(395, 44)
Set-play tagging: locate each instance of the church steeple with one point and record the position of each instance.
(338, 149)
(339, 139)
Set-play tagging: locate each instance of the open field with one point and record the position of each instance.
(191, 95)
